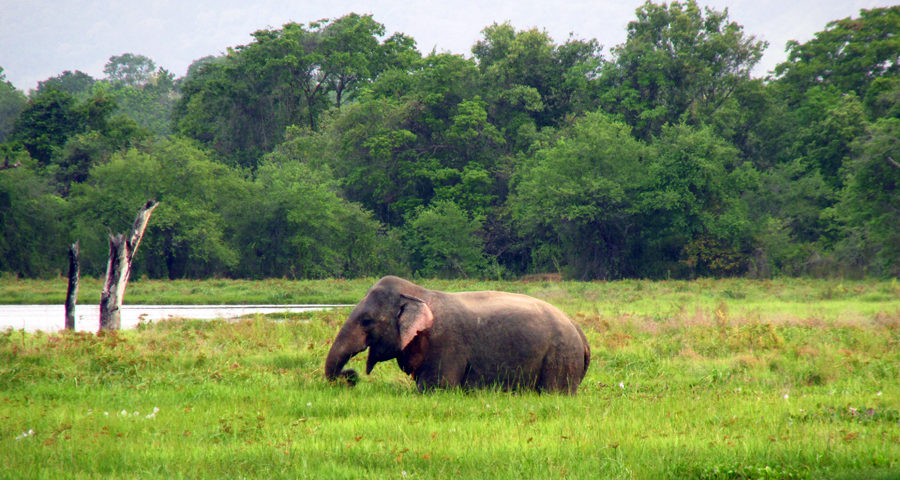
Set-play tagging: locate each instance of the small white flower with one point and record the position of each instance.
(123, 413)
(308, 404)
(136, 413)
(487, 405)
(785, 396)
(25, 434)
(403, 473)
(621, 384)
(153, 415)
(878, 394)
(106, 413)
(739, 389)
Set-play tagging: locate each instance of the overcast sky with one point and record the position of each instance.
(42, 38)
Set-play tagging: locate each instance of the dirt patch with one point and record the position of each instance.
(541, 277)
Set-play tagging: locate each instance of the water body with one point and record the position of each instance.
(52, 318)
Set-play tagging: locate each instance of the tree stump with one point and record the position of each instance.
(118, 268)
(72, 291)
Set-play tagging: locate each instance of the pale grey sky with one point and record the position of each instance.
(42, 38)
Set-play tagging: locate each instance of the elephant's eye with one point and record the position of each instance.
(366, 321)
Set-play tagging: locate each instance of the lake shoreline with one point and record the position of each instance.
(51, 318)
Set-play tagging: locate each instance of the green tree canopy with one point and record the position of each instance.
(574, 202)
(848, 54)
(149, 104)
(32, 222)
(869, 207)
(12, 102)
(198, 200)
(76, 83)
(69, 136)
(45, 124)
(284, 77)
(443, 241)
(691, 213)
(130, 69)
(329, 148)
(297, 226)
(678, 62)
(525, 73)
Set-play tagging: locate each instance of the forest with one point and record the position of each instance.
(334, 149)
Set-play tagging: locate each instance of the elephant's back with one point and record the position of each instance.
(506, 307)
(510, 318)
(493, 302)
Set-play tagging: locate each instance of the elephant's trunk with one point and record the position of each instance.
(349, 341)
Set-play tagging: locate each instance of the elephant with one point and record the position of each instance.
(462, 340)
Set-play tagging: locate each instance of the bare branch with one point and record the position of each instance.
(7, 165)
(137, 231)
(893, 162)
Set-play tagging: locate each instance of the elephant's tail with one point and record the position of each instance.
(587, 351)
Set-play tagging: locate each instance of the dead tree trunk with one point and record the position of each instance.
(72, 292)
(118, 268)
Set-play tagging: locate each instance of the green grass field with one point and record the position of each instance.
(706, 379)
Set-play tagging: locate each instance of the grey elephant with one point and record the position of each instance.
(467, 340)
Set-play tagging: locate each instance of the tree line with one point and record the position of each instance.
(331, 149)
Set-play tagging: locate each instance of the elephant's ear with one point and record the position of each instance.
(415, 317)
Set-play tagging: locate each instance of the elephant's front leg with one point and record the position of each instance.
(443, 374)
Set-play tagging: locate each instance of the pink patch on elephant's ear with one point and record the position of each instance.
(416, 317)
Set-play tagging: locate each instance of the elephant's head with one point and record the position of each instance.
(386, 321)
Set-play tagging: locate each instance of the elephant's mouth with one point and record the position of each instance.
(378, 354)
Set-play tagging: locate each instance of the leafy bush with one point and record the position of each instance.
(443, 241)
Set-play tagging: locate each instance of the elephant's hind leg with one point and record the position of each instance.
(559, 373)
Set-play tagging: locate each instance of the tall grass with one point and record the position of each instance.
(708, 380)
